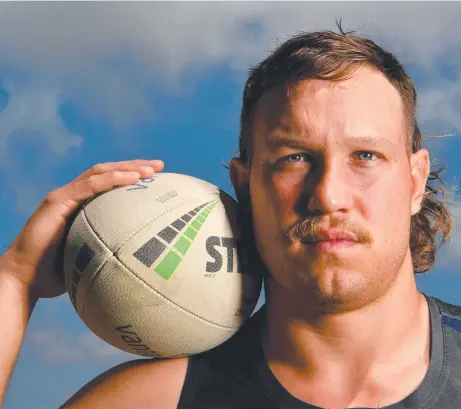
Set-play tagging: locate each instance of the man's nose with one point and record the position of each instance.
(329, 190)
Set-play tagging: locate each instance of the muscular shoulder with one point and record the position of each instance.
(140, 384)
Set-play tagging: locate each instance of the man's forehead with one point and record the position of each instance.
(366, 110)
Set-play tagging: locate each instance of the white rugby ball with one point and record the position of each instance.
(156, 268)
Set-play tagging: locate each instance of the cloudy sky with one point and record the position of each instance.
(83, 83)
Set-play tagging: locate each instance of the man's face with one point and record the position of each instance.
(337, 152)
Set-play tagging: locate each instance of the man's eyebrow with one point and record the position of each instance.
(280, 140)
(370, 140)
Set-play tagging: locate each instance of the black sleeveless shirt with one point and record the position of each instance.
(235, 375)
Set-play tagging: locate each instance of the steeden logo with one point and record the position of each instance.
(172, 243)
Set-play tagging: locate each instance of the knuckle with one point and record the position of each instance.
(90, 180)
(51, 197)
(114, 175)
(98, 168)
(137, 162)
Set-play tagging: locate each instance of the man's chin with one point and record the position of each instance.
(330, 288)
(339, 300)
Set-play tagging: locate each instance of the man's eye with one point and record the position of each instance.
(366, 156)
(297, 157)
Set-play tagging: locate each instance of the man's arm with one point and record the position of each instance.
(16, 306)
(140, 384)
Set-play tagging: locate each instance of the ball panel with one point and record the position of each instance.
(137, 319)
(116, 215)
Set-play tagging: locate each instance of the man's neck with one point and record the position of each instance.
(372, 356)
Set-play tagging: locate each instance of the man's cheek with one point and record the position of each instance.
(377, 201)
(387, 216)
(287, 190)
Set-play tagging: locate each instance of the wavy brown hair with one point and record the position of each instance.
(331, 56)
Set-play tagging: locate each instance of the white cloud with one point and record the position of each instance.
(171, 36)
(441, 106)
(107, 55)
(56, 346)
(73, 42)
(32, 109)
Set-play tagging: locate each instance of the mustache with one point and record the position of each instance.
(311, 226)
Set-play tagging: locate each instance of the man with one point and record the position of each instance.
(334, 183)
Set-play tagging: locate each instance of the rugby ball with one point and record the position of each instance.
(158, 268)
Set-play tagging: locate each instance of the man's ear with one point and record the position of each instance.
(239, 175)
(420, 169)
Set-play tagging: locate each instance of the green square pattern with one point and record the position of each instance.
(182, 245)
(168, 265)
(190, 233)
(196, 225)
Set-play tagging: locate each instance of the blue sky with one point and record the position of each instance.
(84, 83)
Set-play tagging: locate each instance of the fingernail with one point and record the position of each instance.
(147, 169)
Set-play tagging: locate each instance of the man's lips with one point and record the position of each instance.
(330, 240)
(332, 245)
